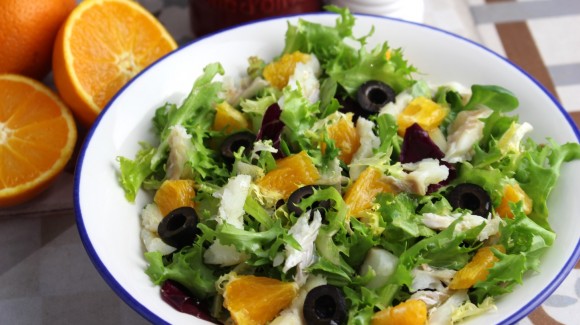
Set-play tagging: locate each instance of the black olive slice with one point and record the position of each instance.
(279, 203)
(349, 105)
(374, 95)
(325, 305)
(179, 227)
(471, 197)
(302, 193)
(234, 142)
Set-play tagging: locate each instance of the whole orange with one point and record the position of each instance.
(28, 30)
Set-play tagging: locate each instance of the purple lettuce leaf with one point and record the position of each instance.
(417, 145)
(272, 127)
(178, 298)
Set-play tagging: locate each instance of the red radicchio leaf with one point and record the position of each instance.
(271, 128)
(177, 297)
(417, 145)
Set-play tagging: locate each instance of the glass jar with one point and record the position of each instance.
(208, 16)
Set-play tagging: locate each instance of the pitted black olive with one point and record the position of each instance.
(302, 193)
(325, 305)
(374, 95)
(349, 105)
(471, 197)
(234, 142)
(179, 227)
(279, 203)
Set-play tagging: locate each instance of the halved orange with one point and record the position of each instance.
(100, 47)
(513, 194)
(37, 138)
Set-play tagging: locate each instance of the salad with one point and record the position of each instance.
(330, 185)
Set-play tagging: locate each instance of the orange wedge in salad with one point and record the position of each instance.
(290, 174)
(410, 312)
(477, 269)
(253, 300)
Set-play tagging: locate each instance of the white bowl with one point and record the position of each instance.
(109, 225)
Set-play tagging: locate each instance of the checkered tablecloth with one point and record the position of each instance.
(46, 276)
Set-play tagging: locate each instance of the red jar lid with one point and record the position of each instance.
(212, 15)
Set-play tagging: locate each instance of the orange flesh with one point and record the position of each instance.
(477, 269)
(254, 300)
(361, 194)
(37, 137)
(175, 194)
(290, 174)
(410, 312)
(423, 111)
(513, 194)
(345, 138)
(279, 72)
(101, 46)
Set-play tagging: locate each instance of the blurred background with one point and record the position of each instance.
(535, 34)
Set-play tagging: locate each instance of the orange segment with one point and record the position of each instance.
(173, 194)
(427, 113)
(290, 174)
(229, 119)
(254, 300)
(477, 269)
(279, 72)
(37, 138)
(345, 137)
(513, 194)
(101, 46)
(410, 312)
(361, 194)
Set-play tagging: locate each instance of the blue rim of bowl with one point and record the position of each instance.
(147, 314)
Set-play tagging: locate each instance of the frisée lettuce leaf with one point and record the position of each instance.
(349, 66)
(196, 115)
(537, 171)
(404, 243)
(187, 268)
